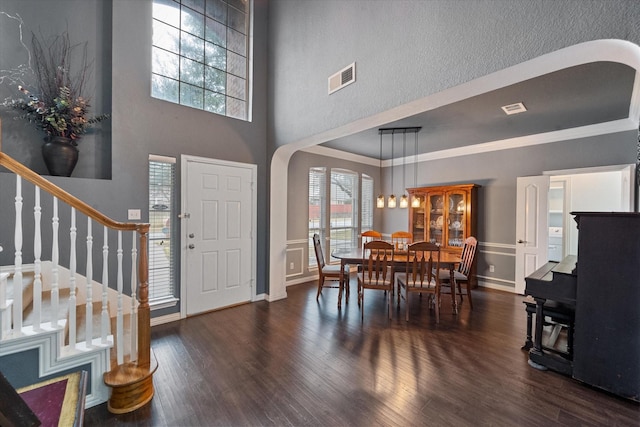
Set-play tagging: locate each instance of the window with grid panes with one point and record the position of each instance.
(201, 54)
(161, 249)
(342, 213)
(317, 197)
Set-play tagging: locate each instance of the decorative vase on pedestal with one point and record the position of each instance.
(60, 155)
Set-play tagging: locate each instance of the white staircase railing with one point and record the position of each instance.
(57, 281)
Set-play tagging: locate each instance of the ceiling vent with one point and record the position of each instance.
(342, 78)
(514, 108)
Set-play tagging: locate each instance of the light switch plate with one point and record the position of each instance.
(134, 214)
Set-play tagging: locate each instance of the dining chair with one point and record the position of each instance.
(463, 272)
(328, 272)
(377, 271)
(370, 235)
(401, 239)
(423, 260)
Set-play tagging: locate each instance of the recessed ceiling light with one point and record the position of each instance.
(514, 108)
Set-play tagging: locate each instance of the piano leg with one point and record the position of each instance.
(536, 352)
(528, 343)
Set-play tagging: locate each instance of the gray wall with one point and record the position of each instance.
(406, 50)
(496, 197)
(143, 125)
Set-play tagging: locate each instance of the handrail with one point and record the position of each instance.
(131, 383)
(26, 173)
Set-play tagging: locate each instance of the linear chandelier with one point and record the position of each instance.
(404, 200)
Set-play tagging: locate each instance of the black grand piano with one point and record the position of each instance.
(598, 293)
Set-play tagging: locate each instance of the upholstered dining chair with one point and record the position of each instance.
(462, 273)
(328, 274)
(401, 239)
(377, 271)
(423, 261)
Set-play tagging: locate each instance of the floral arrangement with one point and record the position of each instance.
(59, 109)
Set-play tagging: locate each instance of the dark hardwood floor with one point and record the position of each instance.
(300, 362)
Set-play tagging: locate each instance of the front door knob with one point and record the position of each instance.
(191, 246)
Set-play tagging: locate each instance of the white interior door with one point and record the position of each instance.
(219, 210)
(532, 230)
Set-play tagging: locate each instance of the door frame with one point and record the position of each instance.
(184, 165)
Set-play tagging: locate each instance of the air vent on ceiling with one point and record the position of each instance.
(514, 108)
(342, 78)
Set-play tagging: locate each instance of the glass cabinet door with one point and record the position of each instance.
(435, 217)
(456, 209)
(418, 220)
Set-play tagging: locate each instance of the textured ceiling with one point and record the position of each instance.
(587, 94)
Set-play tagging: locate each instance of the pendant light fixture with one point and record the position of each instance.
(380, 200)
(415, 202)
(391, 204)
(404, 200)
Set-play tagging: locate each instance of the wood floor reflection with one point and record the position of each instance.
(299, 361)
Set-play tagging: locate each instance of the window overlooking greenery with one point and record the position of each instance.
(201, 54)
(340, 214)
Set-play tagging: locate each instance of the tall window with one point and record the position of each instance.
(366, 204)
(343, 217)
(317, 197)
(201, 54)
(340, 213)
(161, 233)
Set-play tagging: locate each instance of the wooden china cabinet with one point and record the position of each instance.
(446, 216)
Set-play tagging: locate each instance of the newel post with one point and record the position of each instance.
(144, 312)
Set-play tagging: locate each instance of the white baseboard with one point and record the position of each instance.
(160, 320)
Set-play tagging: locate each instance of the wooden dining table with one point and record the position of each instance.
(448, 261)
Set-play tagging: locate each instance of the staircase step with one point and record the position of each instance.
(81, 322)
(27, 288)
(28, 315)
(126, 321)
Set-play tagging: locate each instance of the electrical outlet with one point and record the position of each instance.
(492, 268)
(134, 214)
(291, 267)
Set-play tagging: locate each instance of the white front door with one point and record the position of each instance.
(219, 210)
(532, 230)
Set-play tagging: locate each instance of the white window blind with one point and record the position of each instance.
(366, 204)
(161, 233)
(317, 197)
(343, 218)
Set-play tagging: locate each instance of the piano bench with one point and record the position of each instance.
(558, 313)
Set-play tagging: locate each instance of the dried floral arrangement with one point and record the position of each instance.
(59, 107)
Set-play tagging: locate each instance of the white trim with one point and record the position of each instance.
(596, 169)
(161, 320)
(344, 155)
(163, 159)
(621, 51)
(488, 285)
(184, 161)
(497, 245)
(498, 253)
(302, 259)
(297, 242)
(163, 303)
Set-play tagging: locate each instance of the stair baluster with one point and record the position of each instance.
(73, 231)
(17, 262)
(134, 301)
(89, 288)
(37, 264)
(104, 330)
(119, 319)
(55, 284)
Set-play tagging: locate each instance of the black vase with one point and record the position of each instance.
(60, 155)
